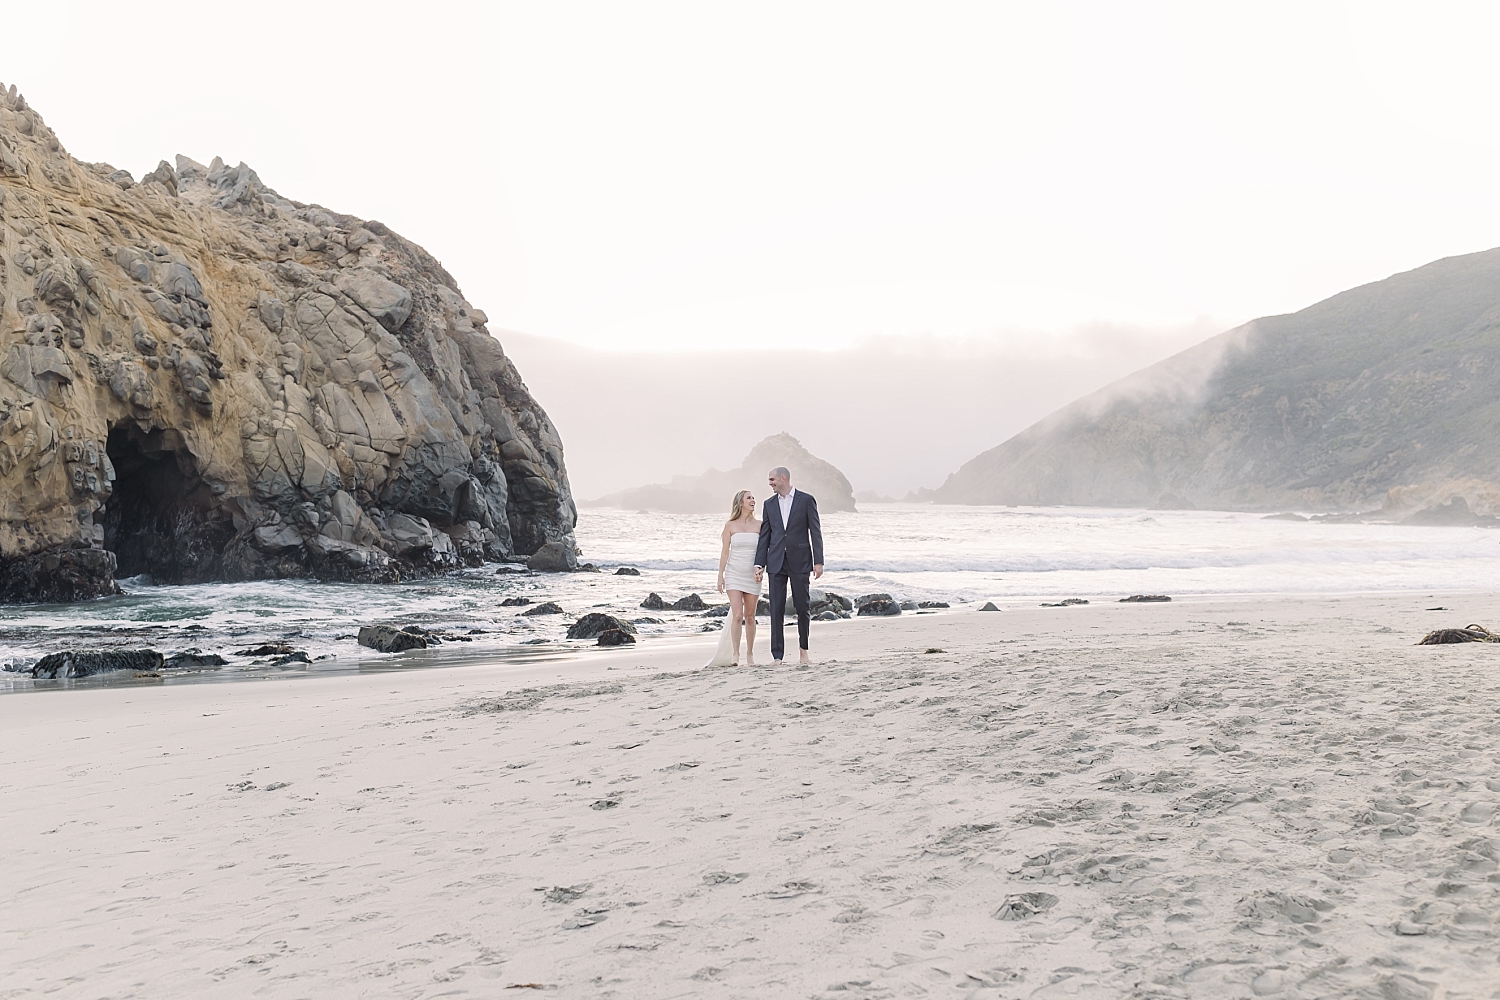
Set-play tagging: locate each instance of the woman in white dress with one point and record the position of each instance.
(740, 536)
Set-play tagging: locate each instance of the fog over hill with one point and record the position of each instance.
(893, 413)
(1392, 383)
(712, 492)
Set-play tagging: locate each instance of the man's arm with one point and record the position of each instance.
(815, 532)
(763, 546)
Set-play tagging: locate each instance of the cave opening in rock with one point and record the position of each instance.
(160, 518)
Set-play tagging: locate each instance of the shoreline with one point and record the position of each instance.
(1198, 799)
(676, 650)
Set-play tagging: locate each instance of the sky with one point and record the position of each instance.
(826, 180)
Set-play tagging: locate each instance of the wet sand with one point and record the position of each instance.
(1225, 798)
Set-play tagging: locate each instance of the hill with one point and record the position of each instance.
(1392, 383)
(201, 379)
(712, 492)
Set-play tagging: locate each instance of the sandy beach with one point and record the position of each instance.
(1218, 798)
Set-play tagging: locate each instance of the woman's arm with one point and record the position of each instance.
(724, 553)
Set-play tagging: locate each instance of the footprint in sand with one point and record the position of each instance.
(1021, 905)
(724, 878)
(566, 893)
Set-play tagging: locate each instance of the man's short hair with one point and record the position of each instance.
(782, 471)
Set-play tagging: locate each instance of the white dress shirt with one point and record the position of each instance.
(786, 506)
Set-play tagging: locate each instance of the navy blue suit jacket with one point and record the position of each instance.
(794, 547)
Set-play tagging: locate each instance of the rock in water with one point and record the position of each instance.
(712, 492)
(653, 602)
(515, 602)
(203, 380)
(194, 658)
(384, 639)
(74, 663)
(627, 571)
(554, 557)
(595, 624)
(616, 637)
(691, 602)
(545, 608)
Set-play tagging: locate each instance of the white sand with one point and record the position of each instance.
(1301, 806)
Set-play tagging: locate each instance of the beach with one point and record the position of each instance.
(1221, 797)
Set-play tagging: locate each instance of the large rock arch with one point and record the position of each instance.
(336, 405)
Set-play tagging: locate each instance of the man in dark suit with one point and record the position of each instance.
(790, 547)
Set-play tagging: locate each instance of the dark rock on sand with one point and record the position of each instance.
(268, 649)
(862, 601)
(1471, 633)
(194, 658)
(830, 603)
(989, 606)
(1144, 599)
(828, 616)
(433, 639)
(616, 637)
(1284, 517)
(647, 621)
(691, 602)
(384, 639)
(879, 608)
(515, 602)
(762, 608)
(546, 608)
(717, 611)
(595, 624)
(932, 604)
(81, 663)
(653, 602)
(627, 571)
(554, 557)
(1067, 603)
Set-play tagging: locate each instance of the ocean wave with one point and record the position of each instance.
(1083, 562)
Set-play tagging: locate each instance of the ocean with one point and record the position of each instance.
(920, 552)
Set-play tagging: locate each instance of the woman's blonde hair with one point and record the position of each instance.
(738, 506)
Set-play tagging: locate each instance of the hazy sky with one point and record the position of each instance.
(658, 176)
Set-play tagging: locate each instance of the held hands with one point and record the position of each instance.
(817, 571)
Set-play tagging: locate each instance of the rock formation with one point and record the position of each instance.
(203, 380)
(1389, 384)
(711, 492)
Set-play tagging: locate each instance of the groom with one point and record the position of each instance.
(791, 547)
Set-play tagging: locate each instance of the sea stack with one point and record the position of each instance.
(203, 380)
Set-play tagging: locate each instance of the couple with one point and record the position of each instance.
(787, 543)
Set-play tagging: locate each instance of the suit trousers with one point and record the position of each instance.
(800, 602)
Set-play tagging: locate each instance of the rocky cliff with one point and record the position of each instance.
(713, 491)
(203, 380)
(1386, 385)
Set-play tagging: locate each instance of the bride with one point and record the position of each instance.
(740, 536)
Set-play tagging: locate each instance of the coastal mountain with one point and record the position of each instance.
(203, 380)
(1391, 384)
(711, 492)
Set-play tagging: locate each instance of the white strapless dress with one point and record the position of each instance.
(739, 571)
(739, 574)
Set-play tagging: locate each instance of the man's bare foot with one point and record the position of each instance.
(776, 663)
(803, 657)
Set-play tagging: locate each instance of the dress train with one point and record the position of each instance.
(724, 655)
